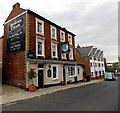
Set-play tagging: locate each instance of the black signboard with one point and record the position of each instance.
(16, 35)
(49, 73)
(30, 53)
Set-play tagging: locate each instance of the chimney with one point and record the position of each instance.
(78, 46)
(17, 5)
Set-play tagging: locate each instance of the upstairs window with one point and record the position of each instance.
(71, 54)
(39, 47)
(91, 64)
(70, 39)
(39, 27)
(62, 36)
(63, 55)
(53, 32)
(54, 50)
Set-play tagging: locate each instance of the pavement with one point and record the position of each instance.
(11, 94)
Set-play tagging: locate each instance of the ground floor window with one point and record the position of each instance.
(96, 73)
(71, 70)
(91, 73)
(99, 72)
(103, 72)
(55, 71)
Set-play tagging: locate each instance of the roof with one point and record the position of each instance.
(84, 51)
(29, 11)
(101, 54)
(97, 53)
(93, 52)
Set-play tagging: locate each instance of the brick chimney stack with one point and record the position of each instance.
(17, 5)
(78, 46)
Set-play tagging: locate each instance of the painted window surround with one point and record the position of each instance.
(54, 65)
(55, 37)
(42, 23)
(42, 40)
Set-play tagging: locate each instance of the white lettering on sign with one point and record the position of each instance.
(15, 24)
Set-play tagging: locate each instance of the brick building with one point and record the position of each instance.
(32, 41)
(92, 58)
(1, 48)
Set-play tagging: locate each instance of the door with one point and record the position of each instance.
(64, 75)
(40, 76)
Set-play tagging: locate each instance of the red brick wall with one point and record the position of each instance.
(85, 61)
(1, 49)
(47, 35)
(13, 64)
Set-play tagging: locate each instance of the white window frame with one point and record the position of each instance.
(42, 22)
(62, 56)
(69, 73)
(43, 46)
(56, 45)
(71, 52)
(52, 27)
(63, 36)
(70, 39)
(54, 65)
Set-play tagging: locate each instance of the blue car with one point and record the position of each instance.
(109, 76)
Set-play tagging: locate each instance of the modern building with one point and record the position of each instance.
(95, 65)
(32, 41)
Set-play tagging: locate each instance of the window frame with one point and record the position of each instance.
(69, 72)
(63, 36)
(71, 50)
(70, 39)
(62, 56)
(52, 27)
(54, 65)
(42, 22)
(56, 45)
(43, 46)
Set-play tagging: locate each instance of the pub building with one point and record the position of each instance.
(31, 41)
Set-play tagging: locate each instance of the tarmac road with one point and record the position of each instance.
(102, 96)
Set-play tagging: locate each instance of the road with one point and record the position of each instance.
(102, 96)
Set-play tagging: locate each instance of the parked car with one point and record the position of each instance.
(109, 76)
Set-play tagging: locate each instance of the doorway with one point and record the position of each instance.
(40, 76)
(64, 75)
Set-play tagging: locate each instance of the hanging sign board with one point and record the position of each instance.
(65, 47)
(16, 35)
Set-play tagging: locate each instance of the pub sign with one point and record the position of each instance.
(65, 48)
(16, 35)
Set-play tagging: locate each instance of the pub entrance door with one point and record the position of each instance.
(40, 76)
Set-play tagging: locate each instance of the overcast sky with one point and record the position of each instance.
(95, 22)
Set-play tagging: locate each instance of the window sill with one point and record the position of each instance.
(40, 55)
(55, 79)
(40, 33)
(54, 57)
(72, 76)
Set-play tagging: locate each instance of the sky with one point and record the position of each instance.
(95, 22)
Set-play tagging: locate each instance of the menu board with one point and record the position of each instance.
(16, 35)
